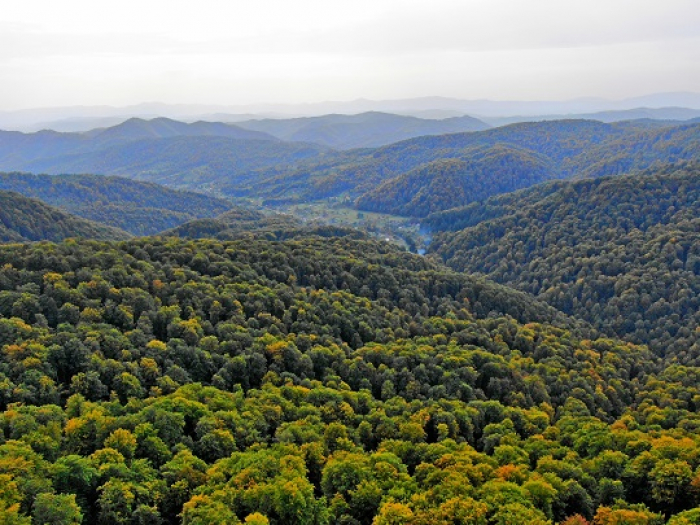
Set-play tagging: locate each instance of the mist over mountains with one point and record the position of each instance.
(83, 118)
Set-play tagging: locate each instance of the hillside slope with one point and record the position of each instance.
(357, 172)
(140, 208)
(445, 184)
(638, 151)
(622, 253)
(188, 162)
(573, 149)
(24, 219)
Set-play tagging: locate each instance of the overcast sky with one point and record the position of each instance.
(55, 53)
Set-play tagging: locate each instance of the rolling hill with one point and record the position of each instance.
(23, 219)
(195, 157)
(444, 184)
(357, 172)
(19, 149)
(231, 223)
(141, 208)
(199, 162)
(572, 149)
(244, 223)
(365, 130)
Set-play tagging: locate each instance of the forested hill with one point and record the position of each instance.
(24, 219)
(366, 130)
(317, 382)
(233, 222)
(445, 184)
(140, 208)
(639, 151)
(206, 157)
(434, 187)
(186, 162)
(159, 150)
(622, 253)
(563, 149)
(244, 223)
(360, 171)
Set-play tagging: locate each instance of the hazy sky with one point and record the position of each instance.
(67, 52)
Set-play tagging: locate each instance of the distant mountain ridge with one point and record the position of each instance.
(33, 119)
(181, 162)
(662, 115)
(364, 130)
(137, 128)
(18, 150)
(158, 150)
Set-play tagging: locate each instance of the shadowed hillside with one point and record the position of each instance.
(24, 219)
(622, 253)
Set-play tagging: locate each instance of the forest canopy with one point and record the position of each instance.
(320, 381)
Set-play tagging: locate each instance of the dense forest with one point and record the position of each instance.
(461, 217)
(622, 253)
(242, 223)
(141, 208)
(361, 171)
(25, 219)
(564, 149)
(445, 184)
(320, 381)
